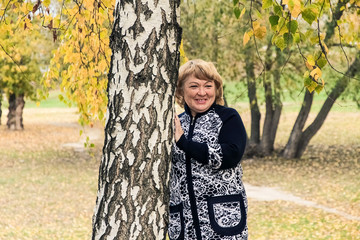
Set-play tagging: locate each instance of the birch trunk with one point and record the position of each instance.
(132, 199)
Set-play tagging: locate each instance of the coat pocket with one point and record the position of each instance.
(227, 214)
(176, 222)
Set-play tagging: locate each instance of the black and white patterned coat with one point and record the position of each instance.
(207, 196)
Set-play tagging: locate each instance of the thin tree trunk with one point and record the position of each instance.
(280, 60)
(15, 115)
(265, 143)
(331, 25)
(299, 140)
(133, 194)
(291, 147)
(339, 88)
(277, 104)
(273, 103)
(254, 108)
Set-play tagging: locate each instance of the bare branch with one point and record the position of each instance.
(302, 55)
(3, 16)
(256, 47)
(340, 45)
(326, 56)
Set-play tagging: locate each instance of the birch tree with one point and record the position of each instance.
(134, 171)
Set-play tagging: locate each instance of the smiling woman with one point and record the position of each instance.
(199, 94)
(207, 196)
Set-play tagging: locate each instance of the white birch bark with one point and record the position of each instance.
(134, 172)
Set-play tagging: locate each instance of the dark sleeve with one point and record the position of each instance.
(232, 139)
(229, 150)
(196, 150)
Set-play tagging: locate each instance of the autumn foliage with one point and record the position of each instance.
(80, 63)
(301, 23)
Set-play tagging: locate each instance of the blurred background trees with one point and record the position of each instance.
(267, 52)
(24, 57)
(277, 50)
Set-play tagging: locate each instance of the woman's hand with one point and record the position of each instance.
(178, 129)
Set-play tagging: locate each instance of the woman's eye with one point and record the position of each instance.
(193, 86)
(208, 86)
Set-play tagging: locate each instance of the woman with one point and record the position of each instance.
(207, 196)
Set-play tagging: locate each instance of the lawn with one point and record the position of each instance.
(48, 189)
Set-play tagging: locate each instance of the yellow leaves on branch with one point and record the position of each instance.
(246, 37)
(183, 58)
(312, 78)
(83, 58)
(316, 73)
(80, 63)
(257, 30)
(294, 7)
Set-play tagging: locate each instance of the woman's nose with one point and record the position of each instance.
(201, 91)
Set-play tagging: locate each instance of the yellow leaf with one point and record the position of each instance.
(29, 7)
(242, 12)
(284, 29)
(316, 73)
(260, 32)
(295, 8)
(183, 58)
(246, 38)
(310, 59)
(312, 86)
(46, 3)
(308, 65)
(256, 24)
(325, 47)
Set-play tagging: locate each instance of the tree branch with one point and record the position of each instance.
(3, 16)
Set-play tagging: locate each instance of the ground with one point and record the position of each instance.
(48, 181)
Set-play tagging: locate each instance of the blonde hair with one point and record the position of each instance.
(201, 70)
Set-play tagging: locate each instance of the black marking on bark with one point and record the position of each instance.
(149, 46)
(156, 2)
(147, 12)
(160, 84)
(137, 28)
(145, 180)
(141, 104)
(143, 77)
(129, 80)
(137, 59)
(124, 2)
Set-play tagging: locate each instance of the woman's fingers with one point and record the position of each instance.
(178, 129)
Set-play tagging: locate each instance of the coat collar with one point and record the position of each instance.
(188, 111)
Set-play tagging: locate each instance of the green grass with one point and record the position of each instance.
(46, 195)
(328, 176)
(48, 192)
(280, 220)
(52, 101)
(236, 94)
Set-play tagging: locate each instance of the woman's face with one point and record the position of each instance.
(199, 94)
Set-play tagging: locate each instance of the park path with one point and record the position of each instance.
(257, 193)
(272, 194)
